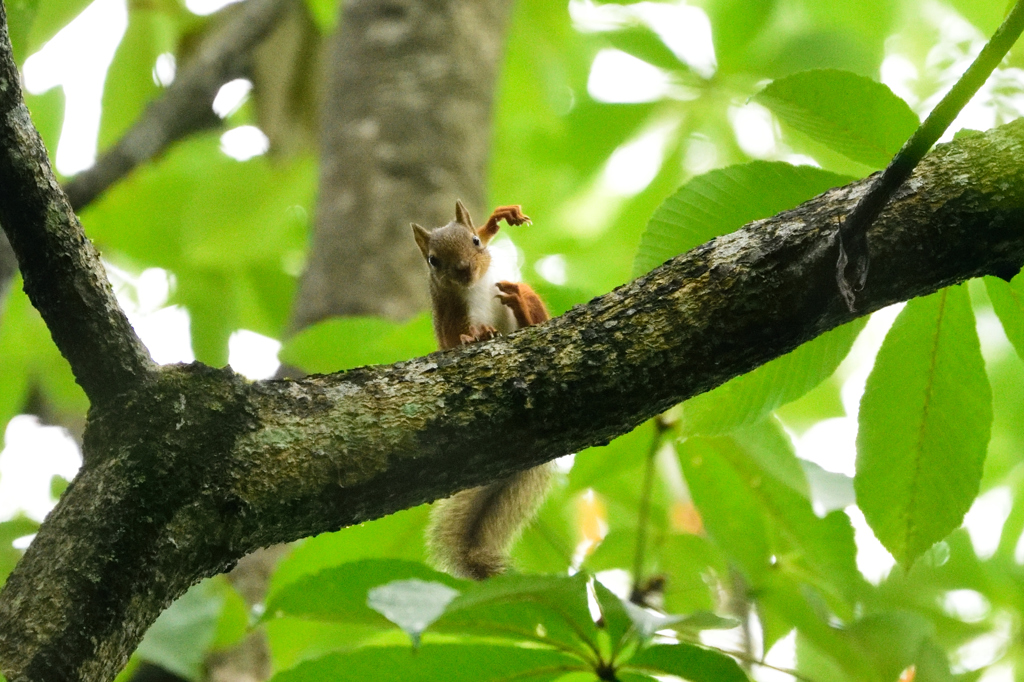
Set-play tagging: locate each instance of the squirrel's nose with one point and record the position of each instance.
(463, 271)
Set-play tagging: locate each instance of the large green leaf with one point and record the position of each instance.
(339, 594)
(688, 661)
(398, 536)
(748, 398)
(724, 200)
(1008, 302)
(768, 489)
(549, 610)
(343, 343)
(451, 662)
(924, 425)
(819, 552)
(852, 114)
(734, 26)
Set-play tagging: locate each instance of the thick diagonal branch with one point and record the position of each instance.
(61, 269)
(188, 474)
(185, 107)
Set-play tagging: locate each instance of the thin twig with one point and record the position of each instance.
(853, 248)
(661, 426)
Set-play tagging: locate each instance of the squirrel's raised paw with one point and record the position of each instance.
(513, 215)
(484, 332)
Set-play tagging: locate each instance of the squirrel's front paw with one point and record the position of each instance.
(509, 295)
(484, 332)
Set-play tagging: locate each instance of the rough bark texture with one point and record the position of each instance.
(186, 474)
(185, 107)
(406, 129)
(61, 269)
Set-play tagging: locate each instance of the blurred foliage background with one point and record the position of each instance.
(783, 518)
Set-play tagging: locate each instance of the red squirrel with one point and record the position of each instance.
(470, 533)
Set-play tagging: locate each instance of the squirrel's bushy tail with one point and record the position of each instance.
(470, 533)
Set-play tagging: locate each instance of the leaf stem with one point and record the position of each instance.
(662, 425)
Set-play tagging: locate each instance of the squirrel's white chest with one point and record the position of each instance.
(485, 308)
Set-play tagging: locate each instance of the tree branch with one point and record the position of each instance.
(61, 269)
(187, 474)
(185, 107)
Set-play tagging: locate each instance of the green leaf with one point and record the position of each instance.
(50, 17)
(411, 604)
(688, 661)
(724, 200)
(895, 640)
(748, 398)
(450, 662)
(1008, 302)
(924, 425)
(643, 43)
(985, 14)
(597, 464)
(734, 26)
(20, 15)
(543, 609)
(398, 536)
(818, 552)
(617, 617)
(181, 636)
(130, 85)
(346, 342)
(732, 516)
(30, 360)
(854, 115)
(339, 594)
(233, 623)
(47, 112)
(693, 567)
(18, 527)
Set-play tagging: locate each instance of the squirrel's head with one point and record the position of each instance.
(456, 253)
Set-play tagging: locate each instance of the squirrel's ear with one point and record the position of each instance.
(422, 236)
(462, 215)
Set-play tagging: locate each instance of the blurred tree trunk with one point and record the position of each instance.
(405, 127)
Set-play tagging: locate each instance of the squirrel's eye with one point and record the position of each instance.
(476, 241)
(434, 261)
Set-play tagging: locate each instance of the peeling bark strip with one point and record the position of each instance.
(186, 474)
(63, 275)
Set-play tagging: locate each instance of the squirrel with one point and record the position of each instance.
(470, 533)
